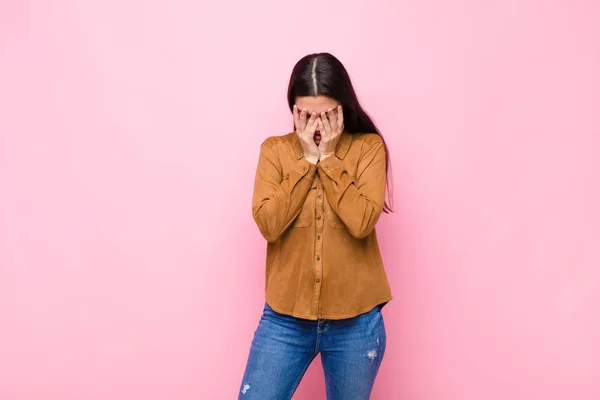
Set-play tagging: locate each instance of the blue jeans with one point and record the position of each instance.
(284, 346)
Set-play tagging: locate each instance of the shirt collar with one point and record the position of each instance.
(340, 152)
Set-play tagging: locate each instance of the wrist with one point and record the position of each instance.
(311, 159)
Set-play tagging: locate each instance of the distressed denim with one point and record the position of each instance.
(284, 346)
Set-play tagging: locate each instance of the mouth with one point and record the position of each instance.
(317, 136)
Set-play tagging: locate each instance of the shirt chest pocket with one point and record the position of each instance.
(332, 218)
(307, 214)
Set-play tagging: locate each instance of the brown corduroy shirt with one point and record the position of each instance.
(323, 260)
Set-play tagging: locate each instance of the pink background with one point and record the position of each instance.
(131, 268)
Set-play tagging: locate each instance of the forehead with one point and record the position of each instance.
(316, 103)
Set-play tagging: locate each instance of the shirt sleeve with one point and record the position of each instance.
(278, 197)
(357, 200)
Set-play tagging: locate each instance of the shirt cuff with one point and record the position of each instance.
(330, 165)
(304, 167)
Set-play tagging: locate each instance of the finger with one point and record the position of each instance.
(322, 129)
(312, 123)
(324, 132)
(332, 120)
(325, 121)
(303, 120)
(313, 127)
(296, 117)
(340, 117)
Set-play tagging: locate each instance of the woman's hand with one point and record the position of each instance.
(306, 131)
(331, 127)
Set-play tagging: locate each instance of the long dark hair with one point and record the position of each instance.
(323, 74)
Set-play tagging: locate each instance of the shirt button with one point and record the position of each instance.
(318, 280)
(318, 258)
(318, 237)
(318, 217)
(326, 165)
(319, 196)
(304, 169)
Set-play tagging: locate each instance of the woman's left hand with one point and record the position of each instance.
(331, 127)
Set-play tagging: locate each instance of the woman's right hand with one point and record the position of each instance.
(306, 131)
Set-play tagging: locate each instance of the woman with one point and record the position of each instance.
(318, 193)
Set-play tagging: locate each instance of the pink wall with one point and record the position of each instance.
(131, 268)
